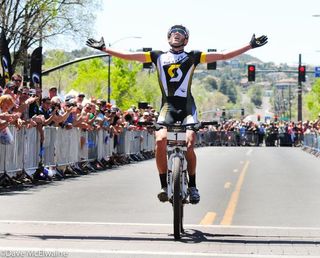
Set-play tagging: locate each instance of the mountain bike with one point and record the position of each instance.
(177, 178)
(177, 175)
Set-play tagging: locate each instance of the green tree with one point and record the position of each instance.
(255, 94)
(60, 78)
(229, 89)
(312, 100)
(123, 82)
(28, 23)
(207, 102)
(148, 89)
(92, 78)
(210, 83)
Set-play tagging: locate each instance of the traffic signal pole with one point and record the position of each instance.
(301, 78)
(299, 95)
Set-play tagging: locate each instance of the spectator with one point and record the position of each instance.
(80, 98)
(70, 103)
(34, 107)
(22, 98)
(17, 80)
(9, 89)
(52, 92)
(44, 112)
(6, 118)
(146, 117)
(70, 97)
(59, 114)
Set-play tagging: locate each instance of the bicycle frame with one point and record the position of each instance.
(177, 147)
(177, 180)
(177, 175)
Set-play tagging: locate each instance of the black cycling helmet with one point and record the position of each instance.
(179, 28)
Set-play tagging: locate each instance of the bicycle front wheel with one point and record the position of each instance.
(177, 198)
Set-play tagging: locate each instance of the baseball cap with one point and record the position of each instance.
(69, 97)
(10, 85)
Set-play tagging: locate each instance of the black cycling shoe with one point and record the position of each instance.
(194, 196)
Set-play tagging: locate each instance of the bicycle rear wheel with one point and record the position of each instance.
(177, 198)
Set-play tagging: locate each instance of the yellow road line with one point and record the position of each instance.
(229, 213)
(208, 219)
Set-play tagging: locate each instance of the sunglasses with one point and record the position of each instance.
(18, 80)
(180, 31)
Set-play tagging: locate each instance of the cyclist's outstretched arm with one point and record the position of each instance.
(100, 45)
(254, 42)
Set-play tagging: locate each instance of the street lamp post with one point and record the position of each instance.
(109, 62)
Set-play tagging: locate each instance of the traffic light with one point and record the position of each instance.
(147, 65)
(302, 73)
(223, 112)
(242, 111)
(251, 73)
(212, 66)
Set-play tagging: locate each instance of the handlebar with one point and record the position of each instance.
(198, 126)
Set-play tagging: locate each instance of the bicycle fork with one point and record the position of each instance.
(173, 154)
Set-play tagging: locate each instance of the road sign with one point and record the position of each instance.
(317, 71)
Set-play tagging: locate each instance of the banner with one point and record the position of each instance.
(5, 60)
(35, 68)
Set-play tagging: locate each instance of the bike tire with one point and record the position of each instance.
(177, 200)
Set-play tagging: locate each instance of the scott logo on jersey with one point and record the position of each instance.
(175, 72)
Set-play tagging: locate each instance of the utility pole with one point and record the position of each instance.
(299, 94)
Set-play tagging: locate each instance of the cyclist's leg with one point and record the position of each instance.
(161, 153)
(192, 163)
(191, 156)
(161, 160)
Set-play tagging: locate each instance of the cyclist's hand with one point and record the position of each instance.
(100, 45)
(258, 42)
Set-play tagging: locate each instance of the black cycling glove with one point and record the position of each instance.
(100, 45)
(258, 42)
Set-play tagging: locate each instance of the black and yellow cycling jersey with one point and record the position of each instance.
(175, 71)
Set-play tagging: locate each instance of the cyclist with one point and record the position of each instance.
(175, 69)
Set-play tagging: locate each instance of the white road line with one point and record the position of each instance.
(151, 224)
(249, 152)
(133, 252)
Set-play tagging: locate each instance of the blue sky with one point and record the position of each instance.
(223, 24)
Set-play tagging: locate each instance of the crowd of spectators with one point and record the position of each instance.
(272, 133)
(24, 106)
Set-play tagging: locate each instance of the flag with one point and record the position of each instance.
(35, 67)
(5, 60)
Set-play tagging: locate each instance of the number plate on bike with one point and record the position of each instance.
(172, 136)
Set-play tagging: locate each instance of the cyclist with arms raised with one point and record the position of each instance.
(175, 69)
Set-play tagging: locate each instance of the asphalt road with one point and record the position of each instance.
(255, 202)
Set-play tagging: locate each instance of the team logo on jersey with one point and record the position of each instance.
(175, 72)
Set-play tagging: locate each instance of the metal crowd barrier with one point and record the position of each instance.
(65, 147)
(311, 142)
(23, 154)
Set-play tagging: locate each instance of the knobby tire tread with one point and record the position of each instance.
(177, 201)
